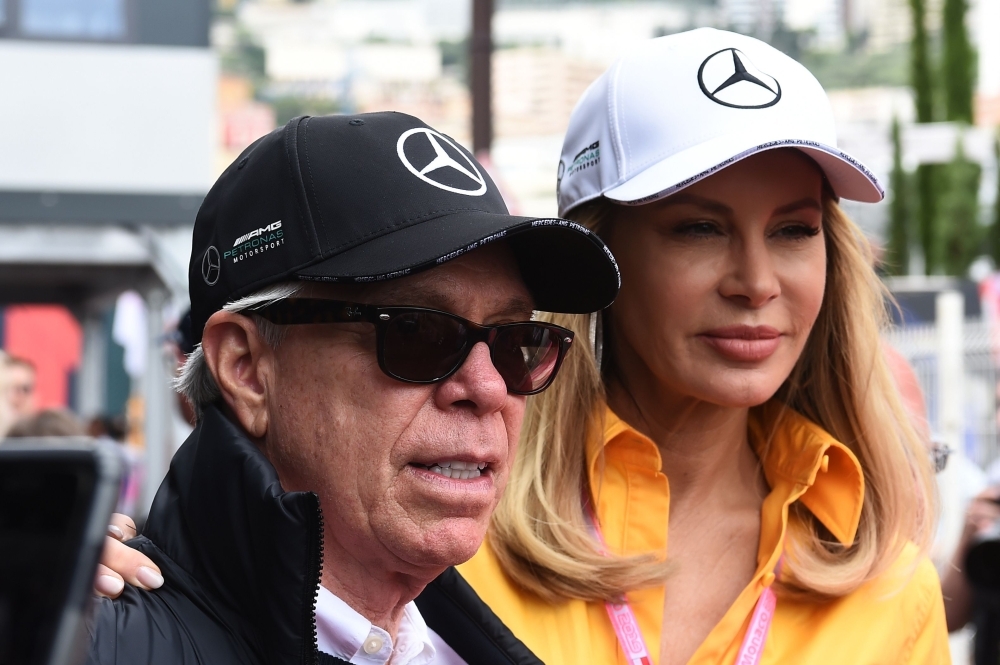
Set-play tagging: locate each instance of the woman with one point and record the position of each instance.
(730, 457)
(737, 412)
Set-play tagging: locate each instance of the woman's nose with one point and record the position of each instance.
(751, 278)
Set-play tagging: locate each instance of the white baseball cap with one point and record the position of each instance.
(679, 108)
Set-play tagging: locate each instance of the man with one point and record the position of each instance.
(363, 305)
(21, 387)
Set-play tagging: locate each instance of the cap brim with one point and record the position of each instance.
(848, 177)
(565, 266)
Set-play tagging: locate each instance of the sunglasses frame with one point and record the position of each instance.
(300, 311)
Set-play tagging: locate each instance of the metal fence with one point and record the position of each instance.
(921, 345)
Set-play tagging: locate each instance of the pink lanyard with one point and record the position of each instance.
(634, 645)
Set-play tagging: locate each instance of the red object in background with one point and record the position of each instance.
(245, 124)
(50, 337)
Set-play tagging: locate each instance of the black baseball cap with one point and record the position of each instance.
(370, 197)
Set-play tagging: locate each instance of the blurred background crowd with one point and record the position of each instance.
(117, 116)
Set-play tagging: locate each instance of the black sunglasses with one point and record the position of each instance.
(419, 345)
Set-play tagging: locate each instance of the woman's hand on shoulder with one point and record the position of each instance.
(120, 563)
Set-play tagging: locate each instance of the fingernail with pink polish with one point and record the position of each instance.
(115, 532)
(149, 578)
(108, 585)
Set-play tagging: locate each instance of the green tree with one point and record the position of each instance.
(962, 235)
(928, 184)
(245, 58)
(921, 80)
(897, 255)
(920, 63)
(994, 239)
(290, 106)
(958, 63)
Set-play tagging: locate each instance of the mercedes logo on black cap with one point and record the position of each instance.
(442, 163)
(211, 265)
(728, 77)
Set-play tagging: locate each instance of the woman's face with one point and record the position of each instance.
(721, 282)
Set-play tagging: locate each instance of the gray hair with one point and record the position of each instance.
(195, 381)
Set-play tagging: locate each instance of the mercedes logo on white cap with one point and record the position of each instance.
(443, 165)
(211, 266)
(728, 77)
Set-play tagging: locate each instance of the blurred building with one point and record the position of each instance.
(597, 32)
(362, 56)
(107, 142)
(887, 25)
(762, 17)
(984, 19)
(242, 119)
(536, 88)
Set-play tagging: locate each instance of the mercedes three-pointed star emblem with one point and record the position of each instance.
(728, 77)
(211, 266)
(432, 173)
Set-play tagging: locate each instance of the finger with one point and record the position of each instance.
(991, 493)
(133, 566)
(124, 524)
(984, 510)
(982, 524)
(107, 582)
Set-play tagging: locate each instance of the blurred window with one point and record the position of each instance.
(73, 19)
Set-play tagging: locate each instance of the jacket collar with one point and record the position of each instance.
(223, 517)
(795, 453)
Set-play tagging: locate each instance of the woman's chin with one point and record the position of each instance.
(744, 394)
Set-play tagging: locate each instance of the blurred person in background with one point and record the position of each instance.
(20, 386)
(362, 305)
(48, 422)
(963, 602)
(6, 408)
(181, 341)
(115, 428)
(971, 580)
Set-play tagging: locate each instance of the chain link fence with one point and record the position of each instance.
(920, 345)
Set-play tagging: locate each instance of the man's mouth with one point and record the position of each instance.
(455, 469)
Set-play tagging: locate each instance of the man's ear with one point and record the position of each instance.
(241, 362)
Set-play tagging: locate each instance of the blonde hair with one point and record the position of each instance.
(841, 382)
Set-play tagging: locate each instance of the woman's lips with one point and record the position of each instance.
(743, 343)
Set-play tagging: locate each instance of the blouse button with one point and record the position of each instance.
(768, 579)
(825, 464)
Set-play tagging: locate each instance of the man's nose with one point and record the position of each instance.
(476, 385)
(751, 278)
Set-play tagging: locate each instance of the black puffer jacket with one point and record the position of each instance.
(241, 560)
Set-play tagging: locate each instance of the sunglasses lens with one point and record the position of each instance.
(423, 346)
(526, 356)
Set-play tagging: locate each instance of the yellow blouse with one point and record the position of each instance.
(897, 618)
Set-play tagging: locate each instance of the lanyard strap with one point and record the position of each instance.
(634, 645)
(622, 617)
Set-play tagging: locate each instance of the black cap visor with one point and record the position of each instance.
(565, 266)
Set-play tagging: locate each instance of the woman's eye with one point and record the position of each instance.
(797, 231)
(699, 229)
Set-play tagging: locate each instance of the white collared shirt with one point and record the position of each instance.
(342, 632)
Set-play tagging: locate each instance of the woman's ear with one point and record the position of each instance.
(240, 362)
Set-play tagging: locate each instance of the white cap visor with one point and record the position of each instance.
(847, 176)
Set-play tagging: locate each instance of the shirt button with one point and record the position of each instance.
(373, 644)
(825, 464)
(768, 579)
